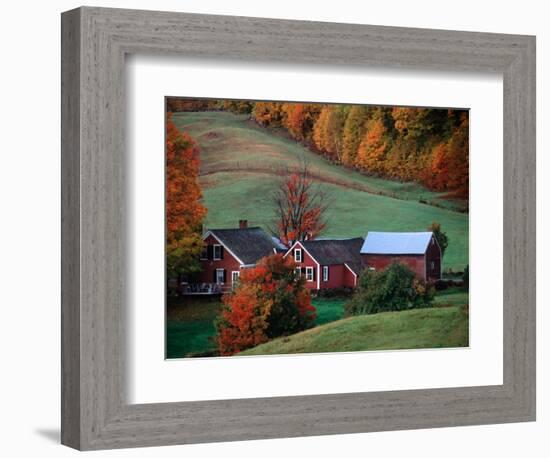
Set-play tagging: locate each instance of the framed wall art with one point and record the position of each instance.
(277, 228)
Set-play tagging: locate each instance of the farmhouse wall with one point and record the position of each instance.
(381, 261)
(209, 266)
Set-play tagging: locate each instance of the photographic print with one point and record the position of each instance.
(298, 227)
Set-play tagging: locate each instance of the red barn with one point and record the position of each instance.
(226, 252)
(328, 263)
(418, 250)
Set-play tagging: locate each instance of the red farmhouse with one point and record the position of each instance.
(418, 250)
(328, 264)
(227, 251)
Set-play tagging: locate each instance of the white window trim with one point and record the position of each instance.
(214, 252)
(309, 254)
(325, 273)
(233, 272)
(309, 270)
(217, 278)
(296, 251)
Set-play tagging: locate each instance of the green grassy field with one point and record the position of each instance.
(422, 328)
(451, 296)
(240, 167)
(190, 324)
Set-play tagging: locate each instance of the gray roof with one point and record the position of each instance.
(335, 251)
(355, 266)
(396, 243)
(249, 244)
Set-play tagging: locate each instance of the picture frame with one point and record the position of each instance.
(95, 410)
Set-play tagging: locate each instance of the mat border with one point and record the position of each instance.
(95, 41)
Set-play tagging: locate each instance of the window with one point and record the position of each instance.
(220, 276)
(204, 253)
(433, 241)
(217, 252)
(432, 265)
(309, 273)
(235, 277)
(298, 272)
(298, 255)
(325, 273)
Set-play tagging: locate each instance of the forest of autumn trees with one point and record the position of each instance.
(430, 146)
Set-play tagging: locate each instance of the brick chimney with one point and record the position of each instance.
(243, 223)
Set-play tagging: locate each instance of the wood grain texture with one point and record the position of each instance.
(96, 414)
(70, 229)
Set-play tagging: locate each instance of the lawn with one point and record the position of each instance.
(451, 296)
(190, 326)
(239, 171)
(190, 322)
(422, 328)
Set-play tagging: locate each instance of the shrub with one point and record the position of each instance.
(270, 301)
(392, 289)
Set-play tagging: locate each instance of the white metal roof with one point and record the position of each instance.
(396, 243)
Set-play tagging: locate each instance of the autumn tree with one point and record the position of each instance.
(268, 114)
(300, 118)
(184, 210)
(271, 300)
(458, 148)
(175, 104)
(354, 130)
(238, 106)
(328, 130)
(300, 207)
(372, 149)
(449, 166)
(440, 236)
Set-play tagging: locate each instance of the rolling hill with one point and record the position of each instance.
(422, 328)
(241, 164)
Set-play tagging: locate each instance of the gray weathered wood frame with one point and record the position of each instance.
(95, 413)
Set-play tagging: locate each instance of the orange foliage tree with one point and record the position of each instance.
(354, 129)
(300, 118)
(328, 130)
(372, 149)
(300, 207)
(449, 167)
(184, 210)
(270, 301)
(268, 113)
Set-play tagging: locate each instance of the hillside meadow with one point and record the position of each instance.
(190, 329)
(408, 329)
(241, 164)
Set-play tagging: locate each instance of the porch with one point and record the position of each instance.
(204, 289)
